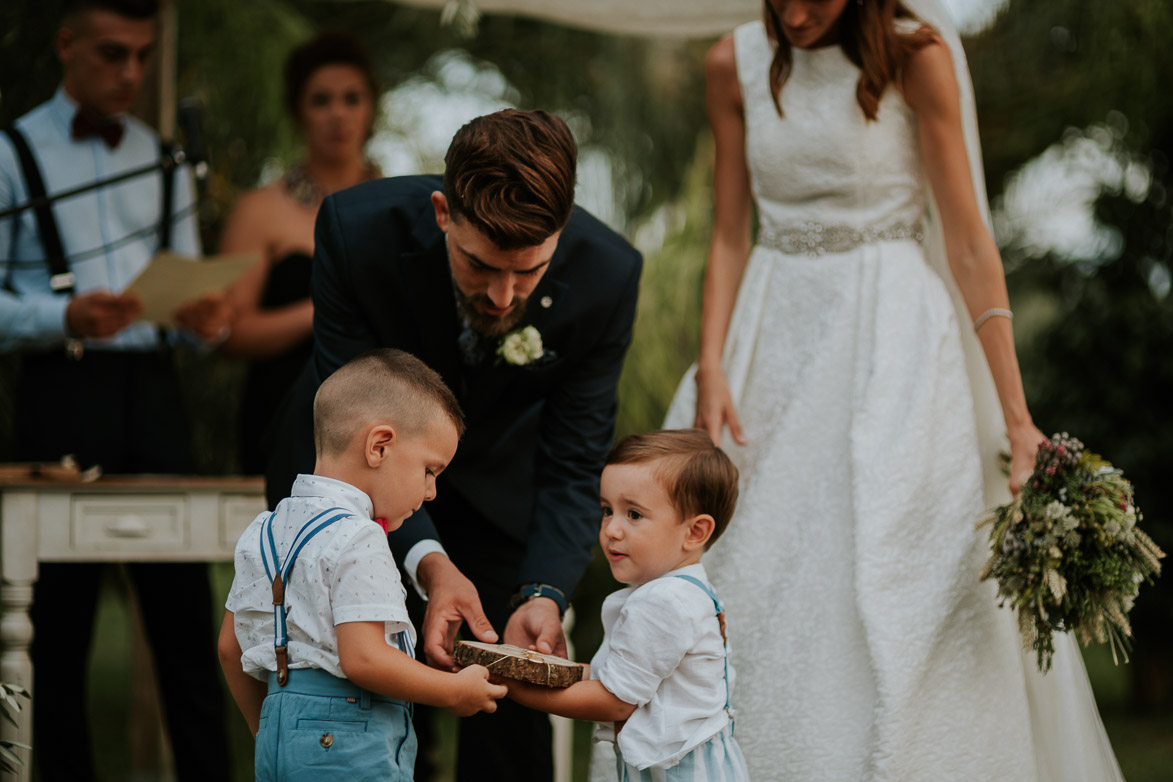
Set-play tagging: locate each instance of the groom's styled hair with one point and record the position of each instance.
(511, 175)
(697, 475)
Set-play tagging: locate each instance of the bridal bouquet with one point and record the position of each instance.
(1067, 553)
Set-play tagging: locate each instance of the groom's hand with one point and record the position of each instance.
(452, 600)
(535, 625)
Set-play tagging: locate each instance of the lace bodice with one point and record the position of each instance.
(823, 162)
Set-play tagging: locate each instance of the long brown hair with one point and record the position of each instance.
(868, 37)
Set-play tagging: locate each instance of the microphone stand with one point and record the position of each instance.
(174, 160)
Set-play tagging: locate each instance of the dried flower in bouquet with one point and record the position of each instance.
(1067, 553)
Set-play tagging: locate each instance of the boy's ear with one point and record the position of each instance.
(700, 529)
(380, 439)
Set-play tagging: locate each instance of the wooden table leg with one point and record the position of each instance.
(18, 571)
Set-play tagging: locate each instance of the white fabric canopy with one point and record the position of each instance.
(672, 18)
(676, 18)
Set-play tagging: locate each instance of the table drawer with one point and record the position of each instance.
(237, 511)
(156, 523)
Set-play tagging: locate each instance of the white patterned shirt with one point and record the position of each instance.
(345, 573)
(662, 652)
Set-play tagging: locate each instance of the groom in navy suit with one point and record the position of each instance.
(457, 272)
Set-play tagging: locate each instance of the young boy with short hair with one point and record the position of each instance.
(660, 682)
(316, 643)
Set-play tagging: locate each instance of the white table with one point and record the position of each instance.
(136, 518)
(125, 518)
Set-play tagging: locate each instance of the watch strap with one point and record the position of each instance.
(527, 592)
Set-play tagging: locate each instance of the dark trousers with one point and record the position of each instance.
(122, 411)
(514, 743)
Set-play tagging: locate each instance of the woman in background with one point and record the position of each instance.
(330, 92)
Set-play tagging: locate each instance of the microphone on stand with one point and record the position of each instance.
(191, 119)
(191, 112)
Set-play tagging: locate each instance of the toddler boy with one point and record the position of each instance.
(660, 682)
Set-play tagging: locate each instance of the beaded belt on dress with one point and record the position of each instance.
(816, 239)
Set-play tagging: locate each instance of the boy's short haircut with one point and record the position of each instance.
(511, 175)
(386, 385)
(698, 476)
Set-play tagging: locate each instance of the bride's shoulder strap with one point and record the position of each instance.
(752, 52)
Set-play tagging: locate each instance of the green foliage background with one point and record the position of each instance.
(1095, 337)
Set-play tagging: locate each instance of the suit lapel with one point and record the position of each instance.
(428, 293)
(544, 303)
(489, 381)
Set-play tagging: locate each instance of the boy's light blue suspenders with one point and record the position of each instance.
(720, 610)
(278, 574)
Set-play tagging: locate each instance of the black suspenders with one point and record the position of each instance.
(61, 279)
(167, 151)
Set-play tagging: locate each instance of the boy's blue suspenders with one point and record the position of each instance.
(721, 622)
(278, 574)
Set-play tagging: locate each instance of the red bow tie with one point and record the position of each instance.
(87, 126)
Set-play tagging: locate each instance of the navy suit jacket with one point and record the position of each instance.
(537, 435)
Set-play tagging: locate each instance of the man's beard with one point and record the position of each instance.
(486, 325)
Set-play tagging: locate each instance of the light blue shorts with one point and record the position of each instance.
(717, 760)
(319, 727)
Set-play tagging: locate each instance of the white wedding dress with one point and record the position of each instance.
(865, 646)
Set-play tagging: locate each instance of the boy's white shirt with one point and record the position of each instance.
(345, 573)
(662, 651)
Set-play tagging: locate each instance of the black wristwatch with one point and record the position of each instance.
(527, 592)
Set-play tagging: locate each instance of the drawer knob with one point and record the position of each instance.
(128, 527)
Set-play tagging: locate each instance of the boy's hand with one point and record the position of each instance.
(474, 692)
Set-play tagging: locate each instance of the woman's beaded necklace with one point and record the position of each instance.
(306, 192)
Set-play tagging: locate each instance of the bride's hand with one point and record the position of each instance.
(714, 406)
(1024, 444)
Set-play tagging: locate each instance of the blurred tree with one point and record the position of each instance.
(1098, 331)
(1100, 369)
(29, 71)
(666, 331)
(1043, 66)
(231, 55)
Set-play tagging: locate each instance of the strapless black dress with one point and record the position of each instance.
(269, 379)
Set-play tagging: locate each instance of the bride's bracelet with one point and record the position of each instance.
(993, 312)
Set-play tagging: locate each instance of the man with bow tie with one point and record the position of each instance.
(96, 381)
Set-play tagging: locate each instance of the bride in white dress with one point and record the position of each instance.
(842, 344)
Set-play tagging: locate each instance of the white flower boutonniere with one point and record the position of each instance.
(521, 347)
